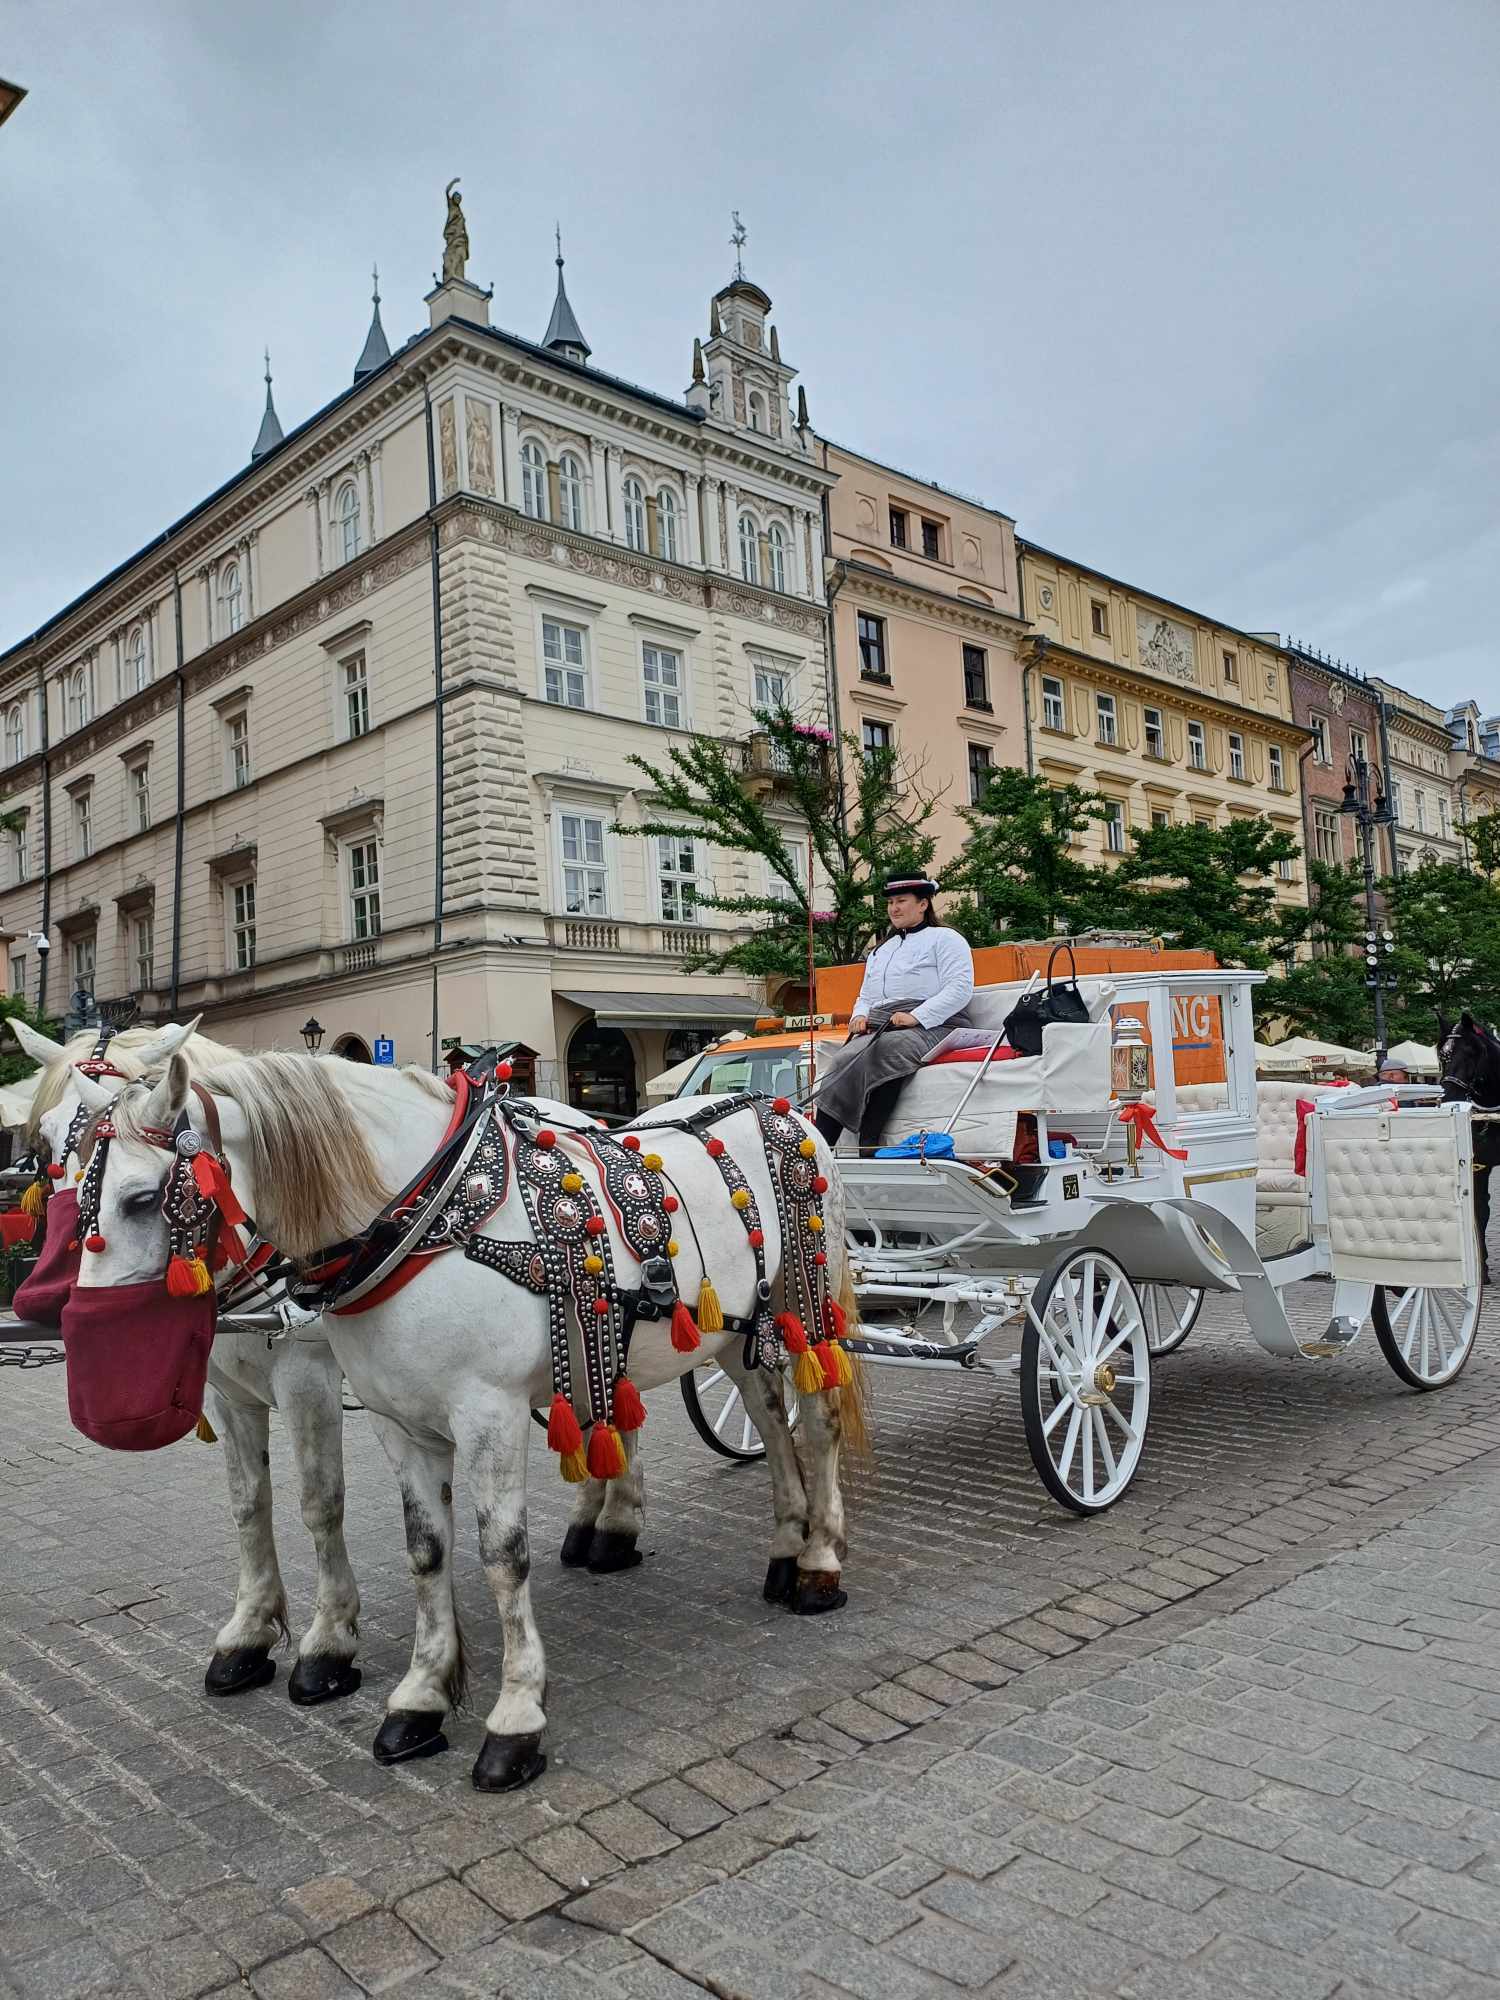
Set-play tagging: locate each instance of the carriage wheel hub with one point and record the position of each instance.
(1104, 1379)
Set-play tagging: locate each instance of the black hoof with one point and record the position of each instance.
(237, 1672)
(576, 1544)
(410, 1732)
(610, 1549)
(818, 1590)
(320, 1677)
(781, 1580)
(507, 1762)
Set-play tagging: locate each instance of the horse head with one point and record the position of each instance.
(1468, 1060)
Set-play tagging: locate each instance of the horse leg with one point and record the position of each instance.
(309, 1388)
(822, 1560)
(492, 1442)
(588, 1506)
(623, 1514)
(242, 1648)
(434, 1682)
(765, 1402)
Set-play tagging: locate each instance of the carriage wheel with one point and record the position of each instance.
(717, 1412)
(1085, 1380)
(1427, 1332)
(1171, 1312)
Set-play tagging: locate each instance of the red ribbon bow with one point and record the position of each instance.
(1143, 1118)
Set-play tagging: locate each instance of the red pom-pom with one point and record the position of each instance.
(503, 1072)
(94, 1243)
(781, 1106)
(629, 1410)
(631, 1143)
(756, 1239)
(546, 1137)
(820, 1183)
(55, 1173)
(820, 1258)
(669, 1203)
(601, 1306)
(563, 1433)
(684, 1333)
(714, 1148)
(595, 1225)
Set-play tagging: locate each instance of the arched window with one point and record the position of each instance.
(15, 733)
(231, 595)
(776, 542)
(533, 481)
(666, 522)
(79, 706)
(755, 403)
(135, 660)
(570, 491)
(635, 515)
(346, 514)
(749, 550)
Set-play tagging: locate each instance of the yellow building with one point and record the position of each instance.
(1172, 716)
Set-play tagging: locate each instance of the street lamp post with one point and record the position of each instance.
(312, 1034)
(1365, 801)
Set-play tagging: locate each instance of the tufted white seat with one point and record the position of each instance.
(1282, 1209)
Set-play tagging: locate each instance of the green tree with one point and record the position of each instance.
(1483, 838)
(1447, 957)
(865, 827)
(1323, 994)
(1018, 874)
(1208, 888)
(13, 1064)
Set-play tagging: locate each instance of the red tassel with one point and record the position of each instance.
(181, 1282)
(834, 1319)
(684, 1333)
(563, 1433)
(630, 1411)
(824, 1356)
(793, 1332)
(205, 1173)
(606, 1458)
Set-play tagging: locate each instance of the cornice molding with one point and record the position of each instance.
(940, 604)
(1134, 682)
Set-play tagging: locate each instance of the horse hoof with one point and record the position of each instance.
(818, 1590)
(238, 1671)
(408, 1733)
(781, 1580)
(576, 1544)
(319, 1677)
(507, 1762)
(612, 1549)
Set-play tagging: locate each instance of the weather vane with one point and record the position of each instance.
(737, 238)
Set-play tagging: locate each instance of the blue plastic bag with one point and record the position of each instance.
(920, 1146)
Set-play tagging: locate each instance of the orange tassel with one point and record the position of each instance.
(629, 1410)
(182, 1281)
(606, 1456)
(684, 1333)
(793, 1332)
(563, 1433)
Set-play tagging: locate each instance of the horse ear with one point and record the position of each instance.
(1466, 1022)
(41, 1048)
(150, 1055)
(169, 1097)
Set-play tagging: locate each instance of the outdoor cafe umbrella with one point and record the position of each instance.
(1413, 1056)
(1302, 1052)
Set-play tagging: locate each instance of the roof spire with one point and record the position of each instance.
(564, 335)
(270, 433)
(377, 349)
(737, 237)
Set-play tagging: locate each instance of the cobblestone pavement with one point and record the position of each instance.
(1001, 1766)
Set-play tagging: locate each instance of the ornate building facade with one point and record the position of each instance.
(1342, 715)
(356, 731)
(1420, 780)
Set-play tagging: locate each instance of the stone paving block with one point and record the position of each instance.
(326, 1902)
(811, 1885)
(1049, 1884)
(1235, 1820)
(853, 1967)
(378, 1950)
(1172, 1933)
(906, 1876)
(449, 1917)
(512, 1885)
(1273, 1974)
(628, 1832)
(731, 1784)
(1383, 1967)
(1339, 1854)
(953, 1951)
(180, 1968)
(1476, 1946)
(79, 1966)
(572, 1857)
(681, 1808)
(1339, 1904)
(303, 1975)
(783, 1763)
(1231, 1861)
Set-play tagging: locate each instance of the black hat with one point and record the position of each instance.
(910, 885)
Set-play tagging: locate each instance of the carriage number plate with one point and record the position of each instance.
(1070, 1187)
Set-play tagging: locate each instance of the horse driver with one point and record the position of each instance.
(917, 984)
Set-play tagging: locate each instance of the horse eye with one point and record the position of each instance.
(142, 1201)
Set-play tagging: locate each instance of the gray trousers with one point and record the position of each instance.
(870, 1060)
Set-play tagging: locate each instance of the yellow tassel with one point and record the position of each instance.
(205, 1433)
(807, 1373)
(202, 1281)
(574, 1467)
(35, 1198)
(843, 1366)
(710, 1313)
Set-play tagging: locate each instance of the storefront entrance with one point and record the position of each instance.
(601, 1073)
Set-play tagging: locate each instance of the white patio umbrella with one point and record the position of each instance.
(1303, 1053)
(15, 1100)
(670, 1081)
(1414, 1056)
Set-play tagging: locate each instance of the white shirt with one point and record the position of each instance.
(931, 965)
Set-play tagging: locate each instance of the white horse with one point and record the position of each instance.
(455, 1363)
(248, 1377)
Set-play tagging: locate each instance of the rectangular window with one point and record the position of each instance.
(83, 963)
(661, 670)
(677, 874)
(932, 542)
(364, 889)
(876, 736)
(237, 738)
(1421, 811)
(1160, 816)
(1156, 735)
(1104, 710)
(1286, 871)
(1397, 804)
(1052, 704)
(1236, 755)
(19, 834)
(1099, 618)
(981, 770)
(565, 677)
(242, 926)
(872, 660)
(83, 824)
(1443, 816)
(898, 528)
(1326, 843)
(18, 975)
(795, 845)
(142, 953)
(354, 686)
(976, 677)
(1231, 668)
(140, 795)
(1114, 827)
(1318, 724)
(1359, 746)
(1203, 819)
(1277, 768)
(1197, 746)
(585, 883)
(772, 688)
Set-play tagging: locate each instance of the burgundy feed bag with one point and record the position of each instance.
(42, 1298)
(137, 1358)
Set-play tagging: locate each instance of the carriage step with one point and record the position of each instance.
(897, 1347)
(1339, 1335)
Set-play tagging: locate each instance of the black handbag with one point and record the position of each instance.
(1057, 1000)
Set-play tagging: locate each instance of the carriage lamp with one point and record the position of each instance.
(312, 1034)
(1130, 1075)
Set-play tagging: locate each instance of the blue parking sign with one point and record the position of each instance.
(385, 1051)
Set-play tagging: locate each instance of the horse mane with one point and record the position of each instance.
(122, 1053)
(316, 1179)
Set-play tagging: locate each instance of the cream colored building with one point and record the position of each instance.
(227, 752)
(926, 630)
(1422, 755)
(1172, 716)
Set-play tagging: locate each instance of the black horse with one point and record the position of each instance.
(1469, 1068)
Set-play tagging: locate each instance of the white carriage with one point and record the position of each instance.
(1103, 1249)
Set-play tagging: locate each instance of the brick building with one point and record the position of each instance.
(1342, 712)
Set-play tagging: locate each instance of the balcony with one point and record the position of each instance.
(685, 940)
(584, 933)
(361, 957)
(766, 764)
(611, 934)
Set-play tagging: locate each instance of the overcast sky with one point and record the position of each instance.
(1202, 294)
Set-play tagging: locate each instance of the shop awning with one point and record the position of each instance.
(666, 1010)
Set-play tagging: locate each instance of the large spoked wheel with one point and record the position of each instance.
(717, 1412)
(1085, 1380)
(1171, 1312)
(1427, 1332)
